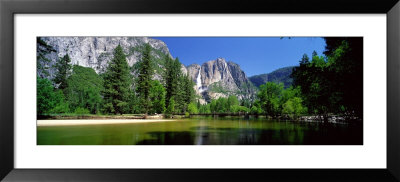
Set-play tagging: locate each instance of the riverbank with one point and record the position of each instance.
(72, 122)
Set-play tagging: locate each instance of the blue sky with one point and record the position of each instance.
(255, 55)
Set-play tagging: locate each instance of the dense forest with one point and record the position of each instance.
(323, 85)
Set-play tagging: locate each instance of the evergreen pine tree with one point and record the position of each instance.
(172, 79)
(157, 97)
(117, 82)
(180, 95)
(144, 81)
(314, 53)
(189, 91)
(168, 80)
(63, 68)
(171, 107)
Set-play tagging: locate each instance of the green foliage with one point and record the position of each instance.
(224, 105)
(274, 100)
(180, 100)
(171, 106)
(84, 89)
(81, 111)
(333, 84)
(144, 80)
(289, 93)
(185, 93)
(63, 68)
(187, 114)
(192, 108)
(45, 95)
(189, 92)
(157, 97)
(246, 103)
(156, 55)
(213, 106)
(345, 58)
(312, 77)
(239, 109)
(233, 100)
(61, 105)
(293, 107)
(269, 96)
(117, 82)
(133, 103)
(256, 110)
(204, 109)
(48, 100)
(178, 85)
(171, 78)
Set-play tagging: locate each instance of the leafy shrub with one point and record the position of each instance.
(48, 100)
(239, 109)
(81, 111)
(293, 107)
(192, 108)
(256, 110)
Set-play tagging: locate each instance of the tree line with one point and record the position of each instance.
(271, 100)
(80, 90)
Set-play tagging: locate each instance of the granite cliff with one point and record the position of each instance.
(219, 78)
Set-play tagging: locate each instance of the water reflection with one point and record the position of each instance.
(206, 131)
(169, 138)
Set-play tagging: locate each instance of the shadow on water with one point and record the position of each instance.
(169, 138)
(323, 134)
(206, 131)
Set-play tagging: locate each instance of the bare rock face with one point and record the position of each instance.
(217, 72)
(193, 71)
(96, 52)
(218, 78)
(240, 78)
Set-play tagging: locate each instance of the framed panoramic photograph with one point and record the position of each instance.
(130, 90)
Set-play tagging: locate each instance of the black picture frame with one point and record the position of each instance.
(8, 8)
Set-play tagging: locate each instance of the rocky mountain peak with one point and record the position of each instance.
(219, 78)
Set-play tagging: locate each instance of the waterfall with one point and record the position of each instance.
(198, 82)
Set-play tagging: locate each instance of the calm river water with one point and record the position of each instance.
(205, 131)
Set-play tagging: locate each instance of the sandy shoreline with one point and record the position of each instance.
(96, 122)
